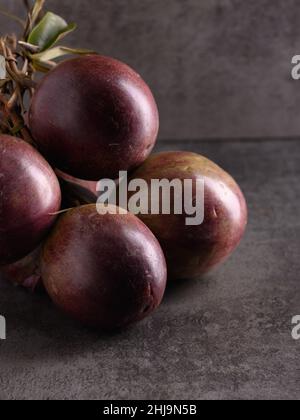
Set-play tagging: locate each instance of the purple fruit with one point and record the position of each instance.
(193, 250)
(29, 198)
(106, 271)
(94, 116)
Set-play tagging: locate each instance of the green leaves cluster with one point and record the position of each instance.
(49, 31)
(44, 37)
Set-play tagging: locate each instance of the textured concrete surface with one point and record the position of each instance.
(218, 68)
(225, 336)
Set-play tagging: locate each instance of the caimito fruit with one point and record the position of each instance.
(107, 271)
(94, 116)
(194, 250)
(30, 197)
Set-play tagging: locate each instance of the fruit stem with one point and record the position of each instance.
(13, 89)
(75, 195)
(33, 15)
(19, 76)
(14, 121)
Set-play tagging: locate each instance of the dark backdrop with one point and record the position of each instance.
(218, 68)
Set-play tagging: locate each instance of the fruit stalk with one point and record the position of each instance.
(15, 82)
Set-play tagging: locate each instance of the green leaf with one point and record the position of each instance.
(41, 66)
(49, 31)
(57, 52)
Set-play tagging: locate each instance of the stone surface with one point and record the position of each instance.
(218, 68)
(225, 336)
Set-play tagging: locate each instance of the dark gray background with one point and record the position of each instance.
(218, 68)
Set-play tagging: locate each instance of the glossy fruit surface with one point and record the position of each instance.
(194, 250)
(106, 271)
(29, 198)
(94, 116)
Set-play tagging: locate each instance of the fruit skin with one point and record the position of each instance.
(106, 271)
(194, 250)
(29, 197)
(94, 116)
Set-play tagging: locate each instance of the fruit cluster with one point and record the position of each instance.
(90, 118)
